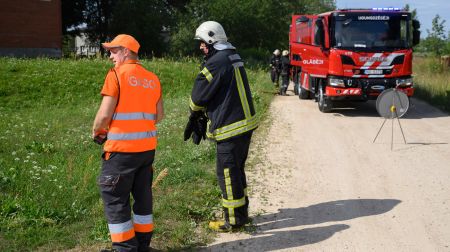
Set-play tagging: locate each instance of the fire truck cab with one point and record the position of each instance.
(352, 54)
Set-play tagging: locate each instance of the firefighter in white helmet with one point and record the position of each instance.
(221, 91)
(275, 67)
(285, 72)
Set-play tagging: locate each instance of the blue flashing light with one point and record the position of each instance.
(387, 9)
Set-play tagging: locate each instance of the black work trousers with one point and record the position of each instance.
(275, 76)
(124, 174)
(284, 84)
(231, 157)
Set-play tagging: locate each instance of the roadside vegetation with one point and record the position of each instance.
(432, 81)
(49, 199)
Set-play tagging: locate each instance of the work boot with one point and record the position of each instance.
(222, 226)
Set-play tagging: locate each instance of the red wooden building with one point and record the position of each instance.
(30, 28)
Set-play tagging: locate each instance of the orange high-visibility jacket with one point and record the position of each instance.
(132, 128)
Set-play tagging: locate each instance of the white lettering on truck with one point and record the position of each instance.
(313, 62)
(373, 17)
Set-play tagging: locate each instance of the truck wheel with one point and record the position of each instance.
(303, 94)
(325, 105)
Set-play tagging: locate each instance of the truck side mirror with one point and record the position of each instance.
(416, 24)
(416, 32)
(416, 37)
(319, 33)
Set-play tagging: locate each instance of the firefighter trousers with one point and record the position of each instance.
(124, 174)
(284, 84)
(231, 157)
(275, 76)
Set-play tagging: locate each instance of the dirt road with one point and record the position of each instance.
(320, 184)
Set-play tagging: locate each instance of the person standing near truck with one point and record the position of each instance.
(285, 72)
(275, 67)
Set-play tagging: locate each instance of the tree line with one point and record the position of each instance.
(167, 27)
(437, 41)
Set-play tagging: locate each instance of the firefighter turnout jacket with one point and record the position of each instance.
(275, 62)
(221, 89)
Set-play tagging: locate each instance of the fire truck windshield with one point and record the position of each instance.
(370, 31)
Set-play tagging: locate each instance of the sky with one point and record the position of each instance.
(426, 10)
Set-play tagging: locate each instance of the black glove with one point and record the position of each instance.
(189, 129)
(200, 129)
(196, 127)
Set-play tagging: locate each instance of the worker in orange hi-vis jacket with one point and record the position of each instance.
(126, 121)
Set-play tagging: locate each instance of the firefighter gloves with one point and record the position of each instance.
(196, 127)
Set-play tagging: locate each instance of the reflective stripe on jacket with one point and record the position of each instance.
(221, 88)
(132, 128)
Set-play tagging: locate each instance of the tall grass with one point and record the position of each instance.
(49, 199)
(432, 81)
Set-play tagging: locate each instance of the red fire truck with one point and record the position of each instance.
(352, 54)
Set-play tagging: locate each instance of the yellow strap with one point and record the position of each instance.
(207, 74)
(242, 94)
(228, 187)
(235, 125)
(229, 190)
(240, 128)
(195, 107)
(233, 203)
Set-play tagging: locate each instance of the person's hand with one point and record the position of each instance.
(196, 127)
(99, 136)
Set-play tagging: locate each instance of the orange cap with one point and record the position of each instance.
(123, 40)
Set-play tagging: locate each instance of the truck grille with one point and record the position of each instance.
(367, 84)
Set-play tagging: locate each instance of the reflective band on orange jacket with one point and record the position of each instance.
(132, 128)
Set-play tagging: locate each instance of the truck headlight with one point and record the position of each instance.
(408, 82)
(335, 82)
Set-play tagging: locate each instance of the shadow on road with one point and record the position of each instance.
(280, 240)
(325, 212)
(267, 238)
(417, 110)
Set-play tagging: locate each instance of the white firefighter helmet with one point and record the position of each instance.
(276, 52)
(285, 53)
(210, 32)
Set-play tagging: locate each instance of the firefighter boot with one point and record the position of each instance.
(222, 226)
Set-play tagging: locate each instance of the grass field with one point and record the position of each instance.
(49, 199)
(432, 81)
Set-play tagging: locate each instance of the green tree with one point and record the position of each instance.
(97, 16)
(146, 22)
(413, 12)
(257, 25)
(72, 15)
(436, 39)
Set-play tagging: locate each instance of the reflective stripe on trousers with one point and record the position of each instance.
(143, 223)
(231, 157)
(121, 232)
